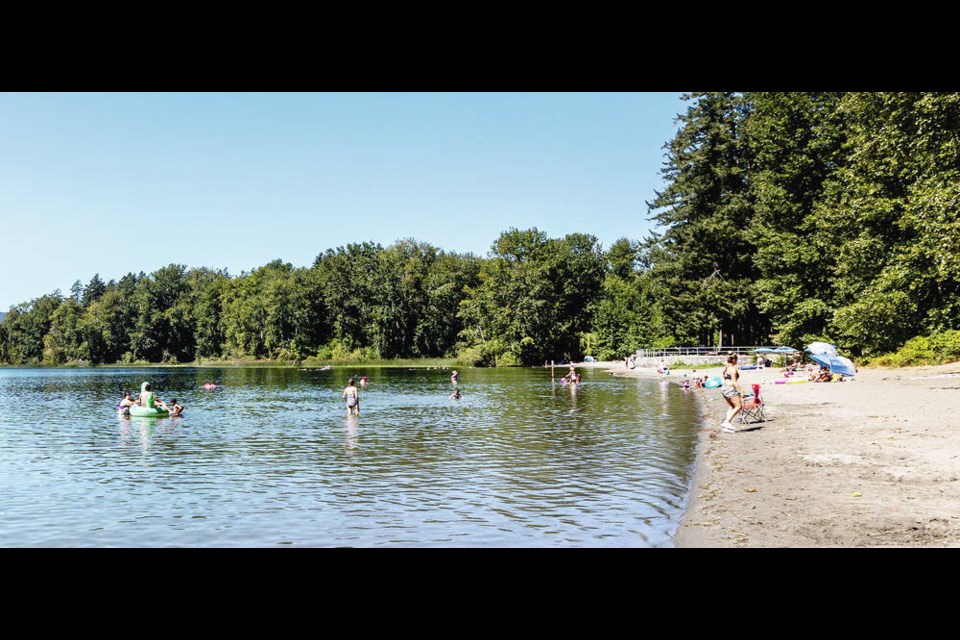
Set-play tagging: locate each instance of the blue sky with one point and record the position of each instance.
(114, 183)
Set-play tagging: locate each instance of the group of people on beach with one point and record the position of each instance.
(698, 380)
(733, 393)
(823, 375)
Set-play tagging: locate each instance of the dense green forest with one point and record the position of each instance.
(786, 217)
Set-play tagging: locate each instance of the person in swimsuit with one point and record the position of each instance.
(731, 392)
(124, 405)
(176, 409)
(352, 397)
(127, 401)
(148, 400)
(454, 377)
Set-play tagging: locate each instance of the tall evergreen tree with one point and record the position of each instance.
(702, 260)
(795, 144)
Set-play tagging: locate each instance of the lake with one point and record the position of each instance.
(269, 458)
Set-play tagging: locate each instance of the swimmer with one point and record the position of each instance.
(127, 402)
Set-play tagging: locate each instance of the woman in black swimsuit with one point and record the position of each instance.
(731, 392)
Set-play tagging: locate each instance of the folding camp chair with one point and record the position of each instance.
(752, 407)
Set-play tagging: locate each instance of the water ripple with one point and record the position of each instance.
(270, 459)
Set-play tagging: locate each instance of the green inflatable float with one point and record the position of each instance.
(148, 412)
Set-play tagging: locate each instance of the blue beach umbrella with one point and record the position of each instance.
(764, 350)
(836, 364)
(822, 348)
(784, 350)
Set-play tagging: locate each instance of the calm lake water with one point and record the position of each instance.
(270, 459)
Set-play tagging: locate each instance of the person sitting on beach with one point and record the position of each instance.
(149, 400)
(822, 376)
(176, 409)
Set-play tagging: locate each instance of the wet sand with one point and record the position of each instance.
(869, 462)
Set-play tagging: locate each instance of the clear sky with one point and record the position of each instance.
(115, 183)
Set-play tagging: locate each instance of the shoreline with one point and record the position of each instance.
(873, 461)
(425, 363)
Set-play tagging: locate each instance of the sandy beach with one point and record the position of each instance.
(870, 462)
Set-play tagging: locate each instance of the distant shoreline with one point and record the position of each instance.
(278, 364)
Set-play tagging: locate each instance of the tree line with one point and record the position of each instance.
(803, 216)
(529, 301)
(785, 217)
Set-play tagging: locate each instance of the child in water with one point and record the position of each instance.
(175, 409)
(352, 397)
(456, 394)
(127, 402)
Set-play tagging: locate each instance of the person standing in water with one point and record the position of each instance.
(352, 397)
(454, 377)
